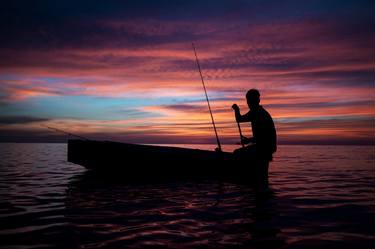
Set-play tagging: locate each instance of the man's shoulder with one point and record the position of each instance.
(264, 112)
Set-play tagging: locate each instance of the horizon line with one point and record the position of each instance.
(282, 143)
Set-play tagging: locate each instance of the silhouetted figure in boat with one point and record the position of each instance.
(263, 143)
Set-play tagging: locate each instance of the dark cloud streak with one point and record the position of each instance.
(46, 24)
(7, 120)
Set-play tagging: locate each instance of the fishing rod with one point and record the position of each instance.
(65, 132)
(208, 102)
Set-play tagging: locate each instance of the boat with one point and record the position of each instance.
(134, 161)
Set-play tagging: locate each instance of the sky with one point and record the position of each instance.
(125, 70)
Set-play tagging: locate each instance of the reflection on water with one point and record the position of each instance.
(322, 197)
(178, 215)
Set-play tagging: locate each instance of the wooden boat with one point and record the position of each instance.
(146, 161)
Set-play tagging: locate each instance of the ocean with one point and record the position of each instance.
(321, 197)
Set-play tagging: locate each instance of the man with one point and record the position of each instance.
(263, 143)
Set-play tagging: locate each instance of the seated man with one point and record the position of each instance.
(263, 142)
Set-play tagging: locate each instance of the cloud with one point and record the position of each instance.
(324, 104)
(9, 120)
(319, 131)
(185, 108)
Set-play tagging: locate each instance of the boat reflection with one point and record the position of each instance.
(105, 212)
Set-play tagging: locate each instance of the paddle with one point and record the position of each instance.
(239, 129)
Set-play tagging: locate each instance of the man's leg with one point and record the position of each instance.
(262, 173)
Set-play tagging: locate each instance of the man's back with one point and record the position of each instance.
(264, 131)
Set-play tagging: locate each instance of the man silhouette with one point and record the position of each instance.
(263, 143)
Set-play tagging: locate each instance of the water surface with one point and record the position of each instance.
(322, 197)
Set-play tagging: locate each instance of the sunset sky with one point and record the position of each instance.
(125, 70)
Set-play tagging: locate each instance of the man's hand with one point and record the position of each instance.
(235, 107)
(246, 140)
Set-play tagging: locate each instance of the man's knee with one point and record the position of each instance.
(262, 168)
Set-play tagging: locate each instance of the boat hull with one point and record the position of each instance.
(140, 161)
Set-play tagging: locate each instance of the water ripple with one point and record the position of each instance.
(322, 197)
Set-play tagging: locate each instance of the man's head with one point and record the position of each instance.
(253, 98)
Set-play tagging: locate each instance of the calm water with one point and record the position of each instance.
(322, 197)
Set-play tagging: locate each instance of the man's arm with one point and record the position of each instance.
(241, 118)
